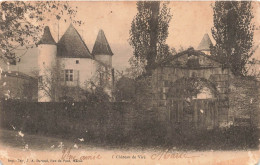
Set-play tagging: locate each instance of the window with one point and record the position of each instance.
(77, 61)
(69, 75)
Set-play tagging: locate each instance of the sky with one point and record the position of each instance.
(190, 21)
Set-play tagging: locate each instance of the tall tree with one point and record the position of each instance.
(233, 33)
(149, 32)
(21, 22)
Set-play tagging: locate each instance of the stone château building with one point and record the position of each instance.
(72, 61)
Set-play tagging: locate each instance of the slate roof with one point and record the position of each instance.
(47, 37)
(71, 45)
(205, 43)
(101, 45)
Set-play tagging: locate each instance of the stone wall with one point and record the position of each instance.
(69, 119)
(19, 86)
(187, 65)
(244, 99)
(164, 77)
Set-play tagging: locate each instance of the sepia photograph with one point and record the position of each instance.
(129, 82)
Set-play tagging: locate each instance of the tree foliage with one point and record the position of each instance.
(49, 82)
(125, 89)
(233, 33)
(21, 22)
(149, 31)
(136, 68)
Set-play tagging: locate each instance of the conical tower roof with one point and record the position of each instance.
(71, 45)
(205, 43)
(47, 37)
(101, 46)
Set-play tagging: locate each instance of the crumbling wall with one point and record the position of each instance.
(244, 100)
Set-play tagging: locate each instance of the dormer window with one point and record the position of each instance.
(77, 61)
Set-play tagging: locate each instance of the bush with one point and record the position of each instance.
(117, 125)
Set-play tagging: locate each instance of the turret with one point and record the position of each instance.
(205, 44)
(101, 50)
(47, 51)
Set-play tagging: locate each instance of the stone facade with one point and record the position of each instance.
(244, 101)
(190, 68)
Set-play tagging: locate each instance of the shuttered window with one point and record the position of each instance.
(76, 76)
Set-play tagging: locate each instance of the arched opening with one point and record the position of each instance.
(192, 103)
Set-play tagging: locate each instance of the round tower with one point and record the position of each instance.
(101, 50)
(47, 51)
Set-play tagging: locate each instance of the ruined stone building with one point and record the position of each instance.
(192, 89)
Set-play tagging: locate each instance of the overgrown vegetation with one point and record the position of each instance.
(233, 32)
(22, 22)
(149, 31)
(117, 125)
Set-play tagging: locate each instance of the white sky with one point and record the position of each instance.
(190, 21)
